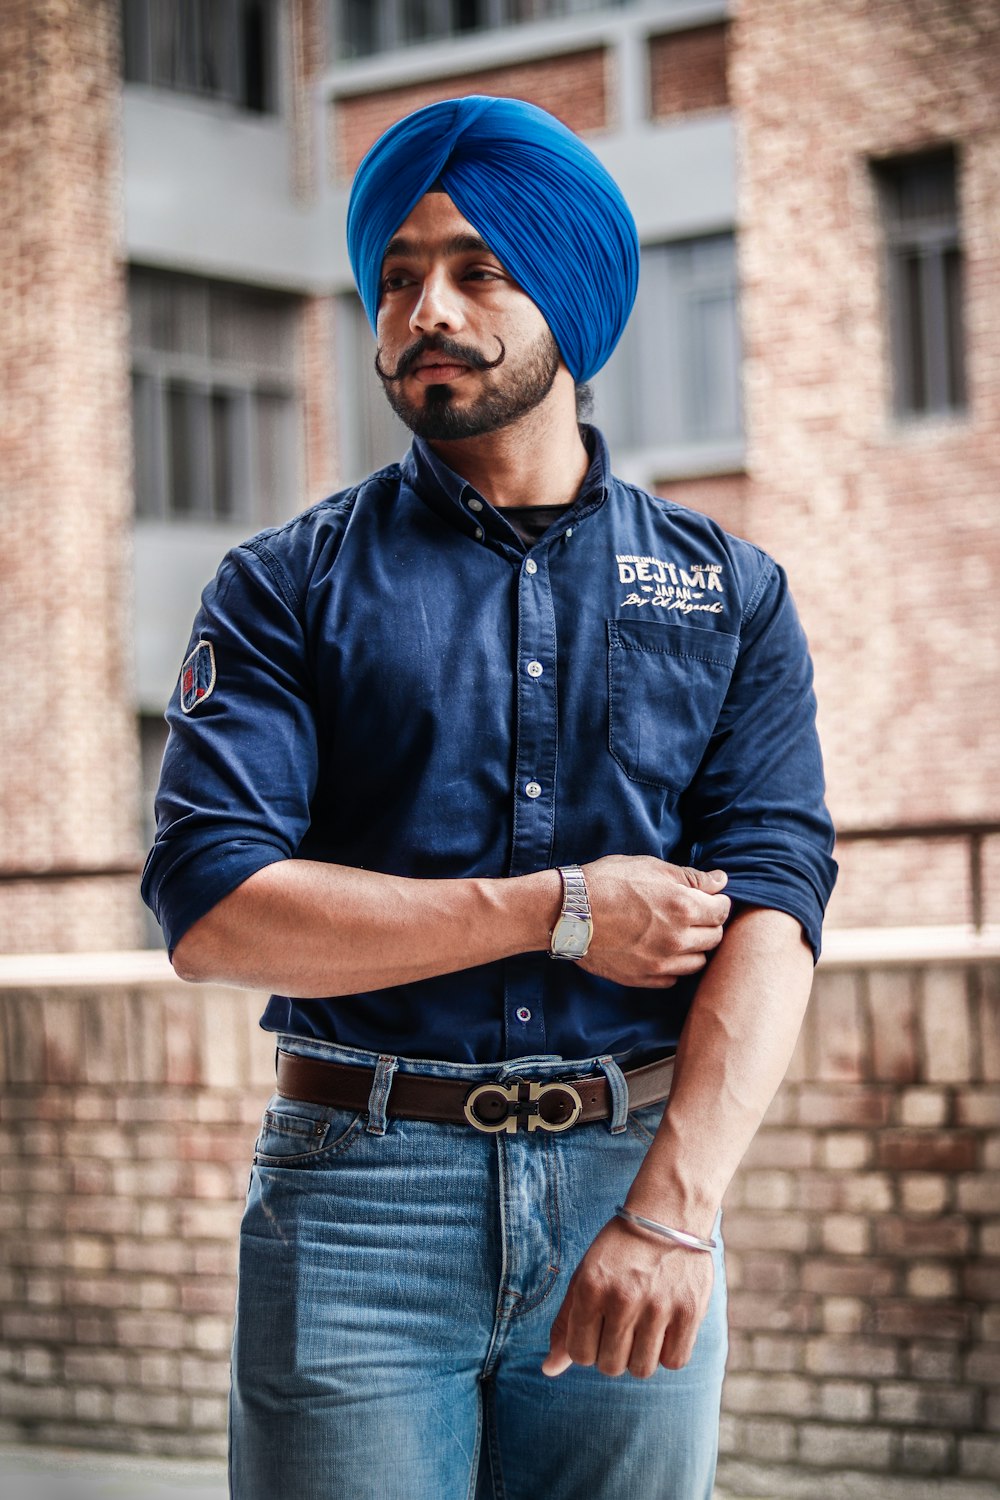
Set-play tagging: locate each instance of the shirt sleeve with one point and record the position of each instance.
(240, 765)
(756, 806)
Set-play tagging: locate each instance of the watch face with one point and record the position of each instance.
(571, 936)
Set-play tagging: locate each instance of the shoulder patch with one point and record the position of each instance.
(197, 676)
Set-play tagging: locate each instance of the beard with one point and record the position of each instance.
(514, 393)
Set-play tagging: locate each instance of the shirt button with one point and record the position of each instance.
(478, 533)
(569, 532)
(523, 1013)
(532, 789)
(535, 669)
(475, 504)
(531, 566)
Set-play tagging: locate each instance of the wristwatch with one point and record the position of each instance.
(570, 937)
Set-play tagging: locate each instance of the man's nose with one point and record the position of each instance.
(438, 307)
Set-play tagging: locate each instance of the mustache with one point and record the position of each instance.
(430, 343)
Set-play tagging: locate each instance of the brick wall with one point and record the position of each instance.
(912, 883)
(863, 1231)
(888, 531)
(128, 1120)
(573, 87)
(687, 71)
(306, 63)
(864, 1240)
(318, 365)
(67, 736)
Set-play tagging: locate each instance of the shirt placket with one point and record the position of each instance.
(534, 789)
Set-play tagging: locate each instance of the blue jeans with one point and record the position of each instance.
(398, 1280)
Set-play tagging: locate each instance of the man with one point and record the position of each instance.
(460, 763)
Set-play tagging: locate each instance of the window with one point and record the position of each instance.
(222, 49)
(920, 215)
(152, 743)
(671, 386)
(371, 435)
(215, 410)
(674, 380)
(363, 27)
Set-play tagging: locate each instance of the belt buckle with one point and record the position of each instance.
(529, 1111)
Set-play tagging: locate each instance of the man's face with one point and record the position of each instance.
(462, 350)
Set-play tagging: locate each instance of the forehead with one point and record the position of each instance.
(434, 226)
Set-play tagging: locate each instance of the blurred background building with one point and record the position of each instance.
(814, 360)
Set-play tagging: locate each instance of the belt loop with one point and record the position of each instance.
(619, 1094)
(379, 1096)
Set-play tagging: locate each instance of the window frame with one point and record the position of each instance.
(927, 345)
(669, 435)
(365, 420)
(389, 26)
(139, 22)
(655, 447)
(203, 378)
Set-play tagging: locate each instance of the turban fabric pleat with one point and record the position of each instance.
(541, 200)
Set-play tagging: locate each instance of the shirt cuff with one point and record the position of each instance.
(189, 889)
(780, 872)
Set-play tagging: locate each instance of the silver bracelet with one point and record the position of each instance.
(679, 1236)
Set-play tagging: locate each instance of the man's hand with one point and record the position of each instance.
(653, 921)
(633, 1304)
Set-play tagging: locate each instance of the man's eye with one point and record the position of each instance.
(392, 281)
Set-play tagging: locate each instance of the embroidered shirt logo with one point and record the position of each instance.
(665, 585)
(197, 676)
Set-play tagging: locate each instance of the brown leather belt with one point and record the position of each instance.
(549, 1105)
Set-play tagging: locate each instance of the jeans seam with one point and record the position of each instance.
(640, 1132)
(493, 1444)
(554, 1224)
(476, 1452)
(500, 1316)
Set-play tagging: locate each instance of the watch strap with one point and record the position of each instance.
(576, 897)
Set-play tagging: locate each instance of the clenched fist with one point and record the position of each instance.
(653, 921)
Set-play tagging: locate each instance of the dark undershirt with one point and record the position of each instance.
(532, 521)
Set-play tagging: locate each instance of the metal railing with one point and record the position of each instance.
(973, 833)
(69, 872)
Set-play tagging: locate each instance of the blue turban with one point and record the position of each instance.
(547, 208)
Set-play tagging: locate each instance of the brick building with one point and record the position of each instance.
(815, 361)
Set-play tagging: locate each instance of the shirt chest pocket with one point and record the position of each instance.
(666, 687)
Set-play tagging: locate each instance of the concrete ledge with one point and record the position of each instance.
(843, 948)
(863, 947)
(53, 970)
(739, 1480)
(85, 1475)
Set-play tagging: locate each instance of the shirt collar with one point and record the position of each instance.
(449, 494)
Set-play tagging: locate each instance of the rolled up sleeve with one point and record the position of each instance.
(240, 766)
(756, 805)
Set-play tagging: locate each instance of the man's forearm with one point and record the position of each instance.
(637, 1301)
(734, 1052)
(308, 929)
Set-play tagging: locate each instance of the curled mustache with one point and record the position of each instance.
(430, 344)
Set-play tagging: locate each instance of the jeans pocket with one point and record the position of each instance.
(666, 687)
(294, 1132)
(645, 1122)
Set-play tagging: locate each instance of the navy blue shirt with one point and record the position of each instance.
(392, 681)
